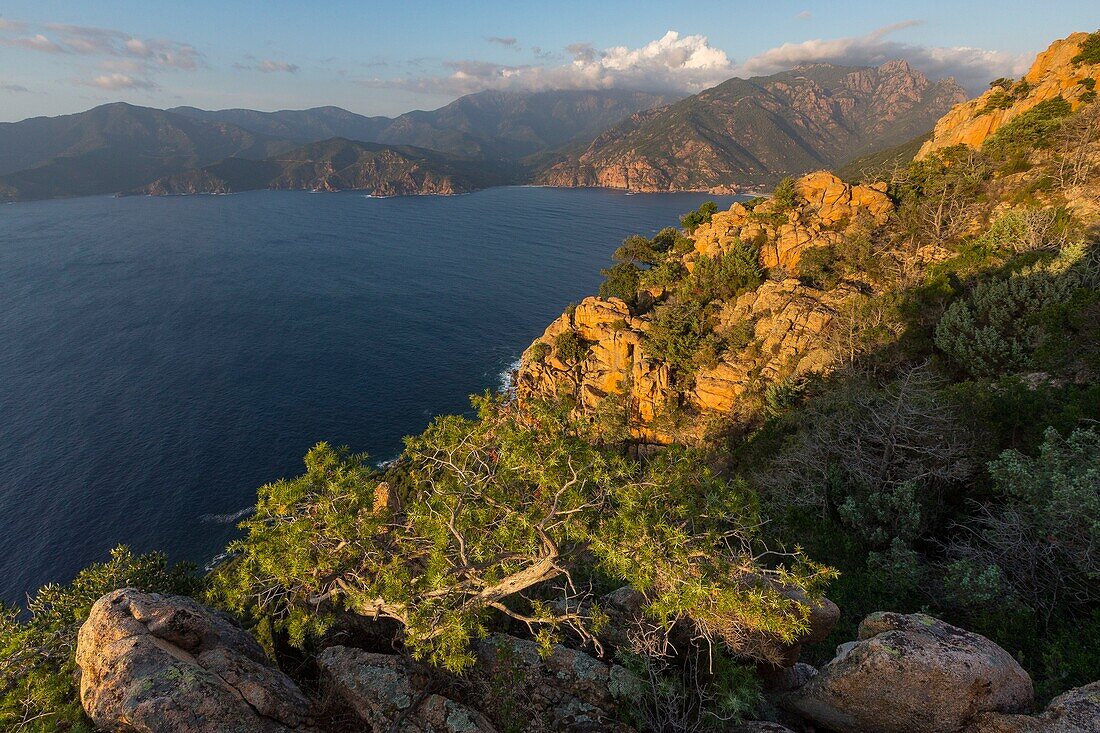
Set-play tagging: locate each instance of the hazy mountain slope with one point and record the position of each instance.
(487, 124)
(339, 164)
(113, 148)
(299, 125)
(752, 131)
(879, 165)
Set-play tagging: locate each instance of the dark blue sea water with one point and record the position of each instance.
(161, 358)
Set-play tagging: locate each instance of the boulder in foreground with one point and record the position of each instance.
(165, 664)
(912, 674)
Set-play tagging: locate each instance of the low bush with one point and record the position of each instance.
(693, 219)
(38, 691)
(621, 281)
(725, 276)
(995, 328)
(1090, 50)
(570, 347)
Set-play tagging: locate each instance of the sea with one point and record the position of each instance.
(162, 358)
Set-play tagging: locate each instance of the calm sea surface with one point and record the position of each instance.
(161, 358)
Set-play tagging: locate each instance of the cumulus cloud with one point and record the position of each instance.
(116, 81)
(670, 63)
(507, 41)
(689, 63)
(804, 15)
(130, 60)
(972, 67)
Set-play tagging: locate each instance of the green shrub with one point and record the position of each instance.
(994, 330)
(1041, 534)
(539, 351)
(1029, 131)
(1090, 50)
(637, 248)
(666, 274)
(504, 506)
(621, 281)
(38, 693)
(693, 219)
(725, 276)
(677, 331)
(570, 347)
(785, 197)
(819, 267)
(997, 100)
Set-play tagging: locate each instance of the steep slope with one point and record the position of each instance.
(751, 131)
(338, 164)
(488, 124)
(112, 148)
(1060, 71)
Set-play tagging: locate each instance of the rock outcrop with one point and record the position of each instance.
(826, 207)
(385, 689)
(166, 664)
(1074, 711)
(912, 674)
(1053, 74)
(784, 322)
(567, 690)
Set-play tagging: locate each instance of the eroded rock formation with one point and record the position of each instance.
(1053, 74)
(166, 664)
(785, 321)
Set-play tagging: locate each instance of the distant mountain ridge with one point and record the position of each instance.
(743, 132)
(489, 124)
(754, 131)
(113, 148)
(339, 164)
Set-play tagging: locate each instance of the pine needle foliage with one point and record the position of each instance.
(507, 515)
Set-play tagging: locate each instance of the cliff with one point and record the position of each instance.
(745, 132)
(782, 324)
(1055, 73)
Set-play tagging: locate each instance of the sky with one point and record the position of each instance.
(385, 58)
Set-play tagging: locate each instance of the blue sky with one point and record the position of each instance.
(389, 57)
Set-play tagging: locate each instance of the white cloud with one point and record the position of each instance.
(804, 15)
(117, 81)
(507, 41)
(129, 60)
(972, 67)
(689, 63)
(670, 63)
(37, 42)
(268, 66)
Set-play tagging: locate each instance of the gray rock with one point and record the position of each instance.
(1075, 711)
(568, 689)
(912, 674)
(166, 664)
(384, 688)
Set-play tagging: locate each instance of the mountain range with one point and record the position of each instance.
(754, 131)
(743, 132)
